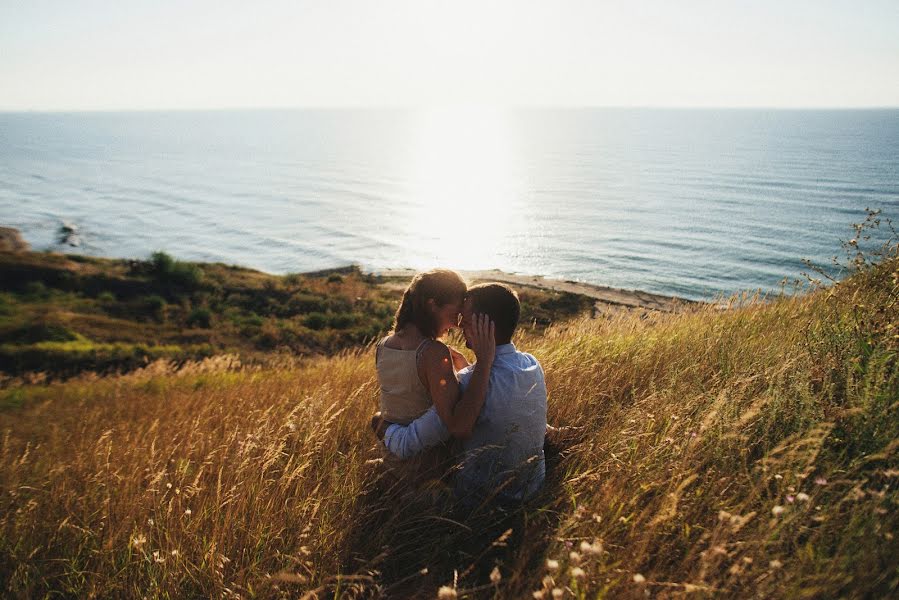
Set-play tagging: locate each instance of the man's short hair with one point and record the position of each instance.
(501, 304)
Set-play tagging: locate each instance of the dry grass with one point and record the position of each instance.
(744, 453)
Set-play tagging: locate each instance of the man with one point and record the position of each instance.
(501, 458)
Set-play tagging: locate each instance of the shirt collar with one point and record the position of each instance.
(505, 349)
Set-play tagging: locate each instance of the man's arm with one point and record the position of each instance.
(406, 441)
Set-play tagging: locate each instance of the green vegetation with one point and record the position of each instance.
(749, 452)
(125, 313)
(117, 314)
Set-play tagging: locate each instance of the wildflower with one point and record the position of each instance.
(558, 593)
(548, 581)
(802, 497)
(777, 510)
(778, 476)
(538, 594)
(820, 481)
(591, 549)
(775, 564)
(638, 578)
(552, 565)
(495, 576)
(188, 511)
(578, 573)
(177, 490)
(151, 522)
(158, 557)
(446, 593)
(790, 498)
(574, 557)
(168, 485)
(175, 553)
(138, 540)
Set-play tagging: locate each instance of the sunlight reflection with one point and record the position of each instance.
(464, 188)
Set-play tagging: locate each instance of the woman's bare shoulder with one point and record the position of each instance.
(435, 352)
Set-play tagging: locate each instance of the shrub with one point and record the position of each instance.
(199, 317)
(155, 307)
(168, 270)
(315, 320)
(36, 290)
(40, 332)
(342, 320)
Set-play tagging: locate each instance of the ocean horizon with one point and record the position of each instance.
(686, 202)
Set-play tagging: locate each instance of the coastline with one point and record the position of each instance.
(607, 299)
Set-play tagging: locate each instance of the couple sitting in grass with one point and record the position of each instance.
(490, 416)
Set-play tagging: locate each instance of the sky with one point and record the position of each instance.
(163, 54)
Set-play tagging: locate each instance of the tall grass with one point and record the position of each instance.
(749, 452)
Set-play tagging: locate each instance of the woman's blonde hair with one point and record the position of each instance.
(442, 285)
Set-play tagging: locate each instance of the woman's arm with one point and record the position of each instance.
(459, 411)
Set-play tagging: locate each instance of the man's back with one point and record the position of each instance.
(504, 455)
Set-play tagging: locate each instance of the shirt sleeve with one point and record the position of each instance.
(406, 441)
(464, 376)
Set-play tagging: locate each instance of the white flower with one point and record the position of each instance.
(591, 549)
(538, 595)
(558, 593)
(820, 481)
(495, 576)
(138, 540)
(775, 564)
(578, 573)
(446, 593)
(802, 497)
(638, 578)
(158, 557)
(552, 565)
(188, 512)
(574, 557)
(777, 510)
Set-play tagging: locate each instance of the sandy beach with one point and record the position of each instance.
(608, 299)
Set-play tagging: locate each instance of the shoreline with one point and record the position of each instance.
(607, 298)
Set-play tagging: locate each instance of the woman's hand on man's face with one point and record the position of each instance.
(479, 333)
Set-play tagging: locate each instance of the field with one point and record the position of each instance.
(747, 452)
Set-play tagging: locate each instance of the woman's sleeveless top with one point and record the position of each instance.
(403, 396)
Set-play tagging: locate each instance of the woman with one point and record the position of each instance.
(416, 370)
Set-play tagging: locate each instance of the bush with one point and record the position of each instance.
(36, 290)
(315, 320)
(342, 320)
(155, 307)
(168, 270)
(200, 317)
(40, 332)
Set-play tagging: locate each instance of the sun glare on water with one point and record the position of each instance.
(464, 188)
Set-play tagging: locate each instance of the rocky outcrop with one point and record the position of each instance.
(12, 241)
(68, 234)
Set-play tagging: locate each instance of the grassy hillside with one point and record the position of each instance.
(752, 452)
(61, 315)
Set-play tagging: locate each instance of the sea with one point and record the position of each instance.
(696, 203)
